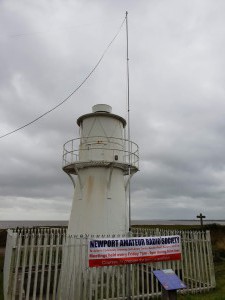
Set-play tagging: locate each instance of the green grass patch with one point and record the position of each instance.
(218, 293)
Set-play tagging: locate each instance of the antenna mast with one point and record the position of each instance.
(128, 120)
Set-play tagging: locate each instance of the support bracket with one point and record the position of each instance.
(80, 182)
(72, 179)
(128, 180)
(109, 181)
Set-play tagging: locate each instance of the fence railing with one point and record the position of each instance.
(48, 264)
(100, 148)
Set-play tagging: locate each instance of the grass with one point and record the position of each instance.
(218, 293)
(218, 246)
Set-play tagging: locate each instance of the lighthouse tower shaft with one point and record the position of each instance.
(103, 162)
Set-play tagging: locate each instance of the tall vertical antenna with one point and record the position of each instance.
(128, 120)
(129, 267)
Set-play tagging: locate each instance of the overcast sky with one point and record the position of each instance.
(177, 101)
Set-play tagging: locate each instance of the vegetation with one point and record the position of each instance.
(218, 245)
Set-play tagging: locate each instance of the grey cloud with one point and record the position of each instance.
(176, 100)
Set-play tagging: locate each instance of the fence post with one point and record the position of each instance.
(210, 257)
(9, 253)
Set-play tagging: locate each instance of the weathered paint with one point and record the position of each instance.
(101, 209)
(100, 202)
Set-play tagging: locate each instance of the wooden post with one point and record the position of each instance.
(201, 217)
(169, 295)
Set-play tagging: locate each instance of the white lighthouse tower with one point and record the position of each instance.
(103, 162)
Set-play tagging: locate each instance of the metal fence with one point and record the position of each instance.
(48, 264)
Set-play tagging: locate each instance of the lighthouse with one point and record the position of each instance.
(100, 163)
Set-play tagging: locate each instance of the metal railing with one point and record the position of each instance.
(87, 149)
(48, 264)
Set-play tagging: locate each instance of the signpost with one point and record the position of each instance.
(170, 283)
(201, 217)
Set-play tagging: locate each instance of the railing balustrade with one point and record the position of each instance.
(87, 148)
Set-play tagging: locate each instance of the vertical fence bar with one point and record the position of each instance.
(85, 269)
(132, 280)
(117, 282)
(18, 253)
(147, 280)
(198, 269)
(138, 281)
(211, 264)
(102, 284)
(124, 282)
(190, 268)
(193, 253)
(113, 282)
(44, 250)
(184, 256)
(205, 254)
(31, 257)
(107, 281)
(96, 283)
(36, 265)
(72, 261)
(90, 284)
(80, 267)
(201, 263)
(24, 263)
(152, 281)
(142, 280)
(49, 266)
(56, 268)
(9, 263)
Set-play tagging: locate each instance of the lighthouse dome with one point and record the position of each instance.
(102, 108)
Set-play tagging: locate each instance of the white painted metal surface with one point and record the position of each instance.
(10, 246)
(102, 108)
(102, 162)
(34, 258)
